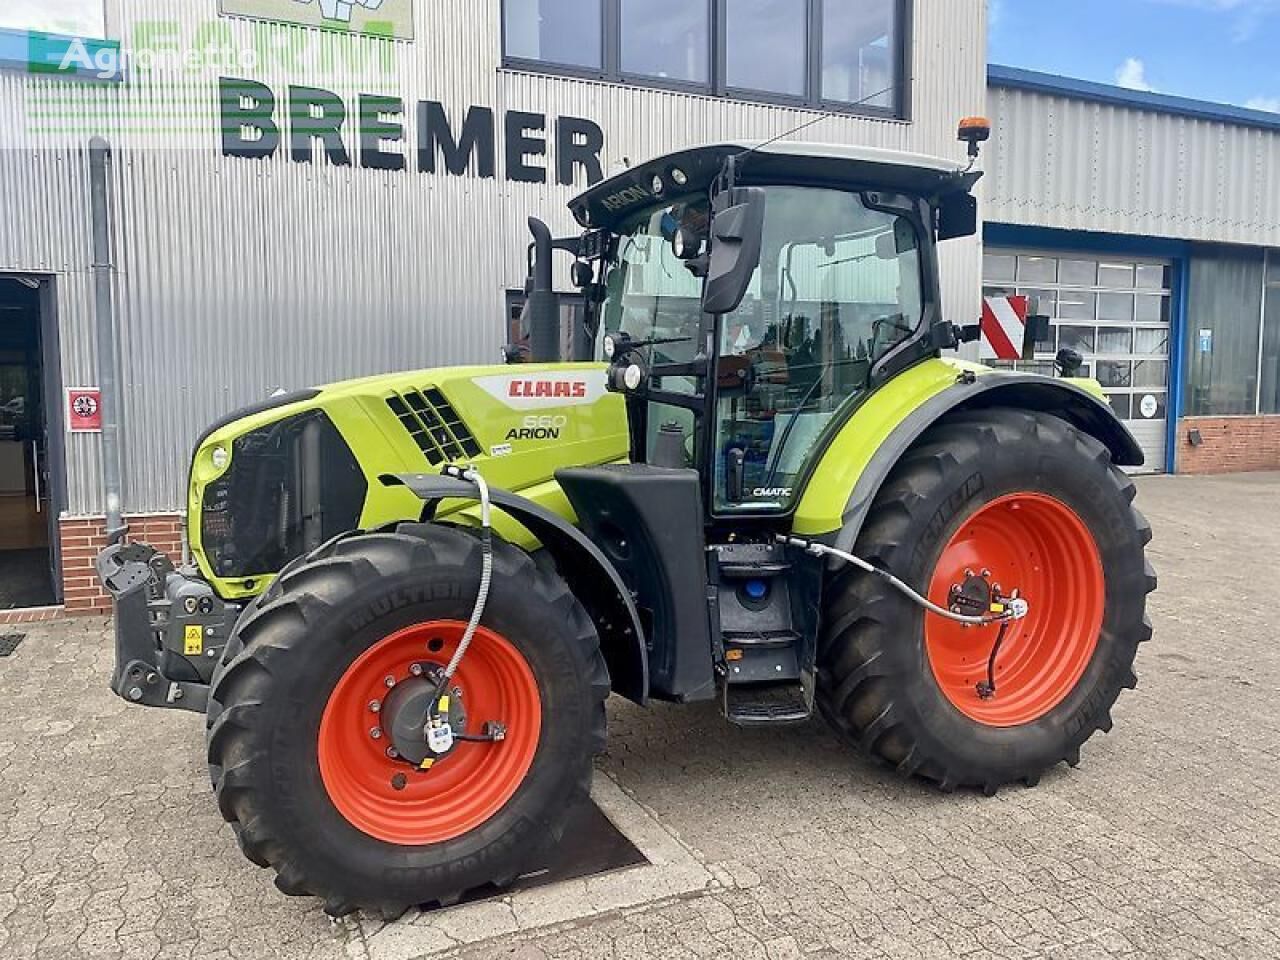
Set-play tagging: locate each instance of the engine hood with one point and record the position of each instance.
(517, 423)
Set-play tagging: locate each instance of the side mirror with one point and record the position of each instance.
(737, 231)
(957, 216)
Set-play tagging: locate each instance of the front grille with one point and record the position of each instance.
(434, 425)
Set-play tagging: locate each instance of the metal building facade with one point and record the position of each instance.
(1173, 205)
(235, 277)
(1078, 156)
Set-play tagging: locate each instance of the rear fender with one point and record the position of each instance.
(589, 573)
(1081, 408)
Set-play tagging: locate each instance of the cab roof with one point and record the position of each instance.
(781, 161)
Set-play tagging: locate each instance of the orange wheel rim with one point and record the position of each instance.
(464, 788)
(1039, 546)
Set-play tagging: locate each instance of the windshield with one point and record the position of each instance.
(838, 286)
(651, 293)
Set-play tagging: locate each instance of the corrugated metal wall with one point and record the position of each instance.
(240, 276)
(1083, 165)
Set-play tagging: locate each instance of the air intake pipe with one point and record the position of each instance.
(543, 307)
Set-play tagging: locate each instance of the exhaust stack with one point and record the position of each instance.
(542, 308)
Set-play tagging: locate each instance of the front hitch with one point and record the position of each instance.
(171, 628)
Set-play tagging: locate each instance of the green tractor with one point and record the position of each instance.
(412, 594)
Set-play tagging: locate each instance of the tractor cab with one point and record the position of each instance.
(749, 296)
(750, 299)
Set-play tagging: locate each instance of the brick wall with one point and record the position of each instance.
(1231, 444)
(83, 537)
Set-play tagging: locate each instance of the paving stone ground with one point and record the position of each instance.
(1164, 842)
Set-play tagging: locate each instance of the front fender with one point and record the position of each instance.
(590, 575)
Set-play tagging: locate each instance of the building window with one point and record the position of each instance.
(1224, 309)
(564, 33)
(833, 54)
(859, 52)
(666, 40)
(766, 46)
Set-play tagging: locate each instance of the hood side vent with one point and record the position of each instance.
(434, 425)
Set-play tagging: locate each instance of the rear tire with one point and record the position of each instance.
(276, 703)
(885, 686)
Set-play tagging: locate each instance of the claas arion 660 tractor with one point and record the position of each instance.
(412, 594)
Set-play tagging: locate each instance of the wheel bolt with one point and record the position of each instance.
(390, 681)
(416, 669)
(376, 733)
(374, 706)
(393, 753)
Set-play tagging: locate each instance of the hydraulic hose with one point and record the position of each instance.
(1015, 609)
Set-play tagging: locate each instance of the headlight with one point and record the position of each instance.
(220, 458)
(610, 346)
(679, 176)
(633, 376)
(658, 185)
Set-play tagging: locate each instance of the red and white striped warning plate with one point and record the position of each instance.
(1004, 327)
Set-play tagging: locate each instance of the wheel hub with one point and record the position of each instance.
(378, 708)
(1019, 672)
(405, 710)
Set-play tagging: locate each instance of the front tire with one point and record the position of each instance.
(299, 760)
(1040, 506)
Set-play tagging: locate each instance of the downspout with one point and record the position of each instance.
(1179, 362)
(108, 381)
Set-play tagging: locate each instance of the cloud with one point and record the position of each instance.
(1132, 75)
(1269, 104)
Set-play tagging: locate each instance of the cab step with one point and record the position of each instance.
(757, 704)
(761, 639)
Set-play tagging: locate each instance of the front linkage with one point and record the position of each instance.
(171, 628)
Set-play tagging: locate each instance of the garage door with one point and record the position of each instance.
(1114, 311)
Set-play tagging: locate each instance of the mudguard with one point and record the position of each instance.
(1077, 406)
(593, 579)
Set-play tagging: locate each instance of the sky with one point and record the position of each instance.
(1220, 50)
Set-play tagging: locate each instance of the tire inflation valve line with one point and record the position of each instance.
(1015, 609)
(440, 735)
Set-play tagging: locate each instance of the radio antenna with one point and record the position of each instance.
(820, 117)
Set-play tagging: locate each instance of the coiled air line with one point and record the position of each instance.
(1003, 610)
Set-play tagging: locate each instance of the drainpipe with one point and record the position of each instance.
(108, 383)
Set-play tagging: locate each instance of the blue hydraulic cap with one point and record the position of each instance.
(756, 589)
